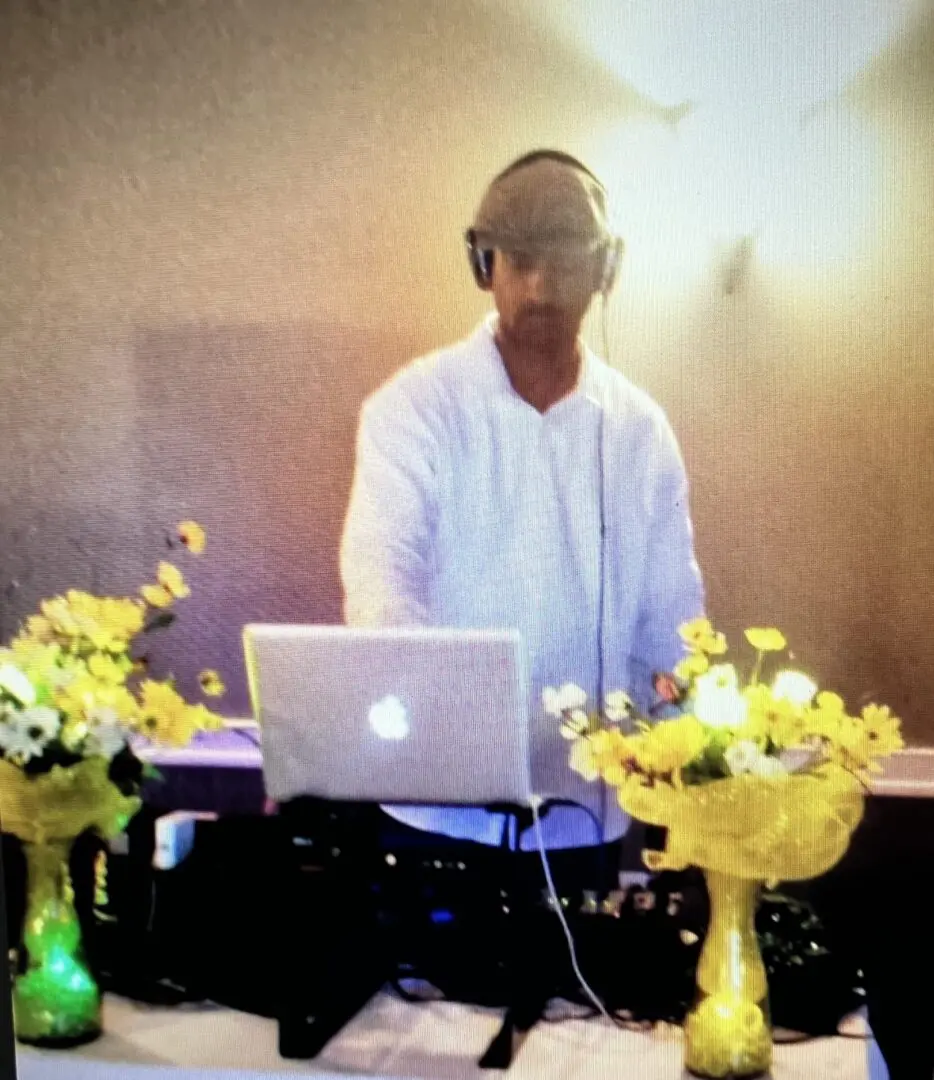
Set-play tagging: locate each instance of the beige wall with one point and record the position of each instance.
(222, 224)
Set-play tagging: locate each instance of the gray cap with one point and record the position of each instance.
(543, 204)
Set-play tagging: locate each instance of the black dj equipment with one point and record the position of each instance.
(256, 892)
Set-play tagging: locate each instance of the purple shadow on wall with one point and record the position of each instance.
(250, 430)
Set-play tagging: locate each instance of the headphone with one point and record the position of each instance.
(481, 259)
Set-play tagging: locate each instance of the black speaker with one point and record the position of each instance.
(331, 953)
(269, 915)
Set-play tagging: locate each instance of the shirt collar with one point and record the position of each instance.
(589, 384)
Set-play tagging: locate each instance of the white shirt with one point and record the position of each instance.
(469, 508)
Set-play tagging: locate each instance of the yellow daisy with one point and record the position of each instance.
(211, 683)
(156, 596)
(164, 713)
(851, 744)
(670, 745)
(105, 668)
(882, 729)
(691, 666)
(829, 702)
(192, 536)
(700, 637)
(39, 628)
(60, 617)
(775, 718)
(766, 639)
(122, 615)
(170, 578)
(203, 719)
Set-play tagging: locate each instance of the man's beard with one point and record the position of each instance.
(544, 325)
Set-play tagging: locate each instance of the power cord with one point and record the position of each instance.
(598, 1006)
(536, 802)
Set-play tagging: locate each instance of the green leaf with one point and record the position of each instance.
(150, 772)
(160, 621)
(43, 694)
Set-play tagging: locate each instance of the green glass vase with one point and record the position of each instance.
(56, 1002)
(727, 1034)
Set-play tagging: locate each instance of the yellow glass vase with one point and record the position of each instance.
(56, 1002)
(743, 831)
(727, 1032)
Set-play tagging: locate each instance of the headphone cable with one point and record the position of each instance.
(601, 615)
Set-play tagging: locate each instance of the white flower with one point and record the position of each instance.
(794, 686)
(41, 721)
(106, 736)
(717, 677)
(717, 700)
(106, 740)
(741, 757)
(619, 706)
(565, 699)
(102, 714)
(25, 734)
(16, 742)
(574, 724)
(15, 683)
(745, 757)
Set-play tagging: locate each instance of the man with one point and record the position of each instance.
(516, 480)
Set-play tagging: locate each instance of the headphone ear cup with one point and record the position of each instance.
(485, 269)
(614, 256)
(481, 262)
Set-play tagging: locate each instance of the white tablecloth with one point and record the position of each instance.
(436, 1041)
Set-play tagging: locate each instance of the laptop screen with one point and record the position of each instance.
(398, 715)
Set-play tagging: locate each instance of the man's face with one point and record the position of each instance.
(542, 295)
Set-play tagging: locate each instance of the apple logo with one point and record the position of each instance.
(389, 718)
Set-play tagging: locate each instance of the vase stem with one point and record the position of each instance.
(727, 1032)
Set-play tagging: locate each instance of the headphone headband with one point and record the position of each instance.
(481, 258)
(549, 155)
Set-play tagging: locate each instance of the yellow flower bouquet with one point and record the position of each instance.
(755, 782)
(75, 693)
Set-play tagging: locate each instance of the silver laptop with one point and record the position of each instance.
(401, 715)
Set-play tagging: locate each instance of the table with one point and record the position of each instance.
(390, 1038)
(908, 778)
(876, 900)
(907, 773)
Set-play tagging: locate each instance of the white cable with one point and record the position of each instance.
(556, 901)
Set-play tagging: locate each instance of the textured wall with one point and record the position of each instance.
(223, 223)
